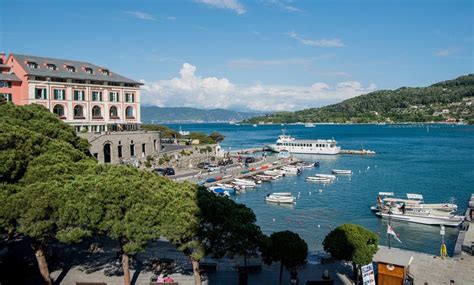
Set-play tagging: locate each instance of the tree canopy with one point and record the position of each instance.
(285, 247)
(353, 243)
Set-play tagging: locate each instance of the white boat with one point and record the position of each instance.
(280, 199)
(183, 133)
(342, 171)
(292, 145)
(254, 125)
(309, 125)
(426, 217)
(274, 172)
(286, 194)
(244, 182)
(318, 179)
(413, 202)
(329, 176)
(264, 177)
(291, 169)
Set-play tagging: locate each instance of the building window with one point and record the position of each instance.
(32, 64)
(97, 96)
(71, 68)
(79, 95)
(51, 66)
(132, 150)
(78, 112)
(96, 113)
(89, 70)
(113, 112)
(129, 112)
(5, 84)
(143, 149)
(59, 94)
(129, 97)
(58, 110)
(40, 93)
(105, 72)
(80, 81)
(113, 96)
(120, 151)
(6, 96)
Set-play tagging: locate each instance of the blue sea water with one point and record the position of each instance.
(435, 161)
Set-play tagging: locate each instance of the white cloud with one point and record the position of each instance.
(253, 63)
(171, 18)
(233, 5)
(445, 52)
(283, 4)
(320, 86)
(329, 43)
(292, 8)
(140, 15)
(191, 90)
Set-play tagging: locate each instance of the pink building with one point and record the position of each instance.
(89, 97)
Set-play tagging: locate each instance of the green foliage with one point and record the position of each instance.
(216, 136)
(165, 131)
(228, 228)
(351, 243)
(286, 247)
(397, 105)
(28, 131)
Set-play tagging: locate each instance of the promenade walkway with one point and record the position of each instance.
(434, 270)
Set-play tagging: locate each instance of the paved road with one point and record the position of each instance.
(173, 147)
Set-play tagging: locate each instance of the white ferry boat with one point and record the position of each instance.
(292, 145)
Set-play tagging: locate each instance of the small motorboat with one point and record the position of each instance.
(291, 169)
(272, 198)
(244, 182)
(222, 190)
(318, 179)
(330, 176)
(264, 177)
(285, 194)
(342, 171)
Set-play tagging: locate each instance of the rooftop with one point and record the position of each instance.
(64, 68)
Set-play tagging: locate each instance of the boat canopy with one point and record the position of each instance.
(415, 196)
(386, 194)
(396, 200)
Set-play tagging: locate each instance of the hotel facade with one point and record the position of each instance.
(101, 105)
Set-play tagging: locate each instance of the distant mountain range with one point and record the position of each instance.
(446, 101)
(152, 114)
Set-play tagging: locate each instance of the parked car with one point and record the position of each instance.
(168, 171)
(203, 165)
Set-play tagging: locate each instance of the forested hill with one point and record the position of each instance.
(448, 100)
(185, 114)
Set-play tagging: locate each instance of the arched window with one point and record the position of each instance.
(113, 112)
(96, 113)
(78, 112)
(129, 112)
(58, 110)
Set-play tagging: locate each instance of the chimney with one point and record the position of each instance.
(3, 58)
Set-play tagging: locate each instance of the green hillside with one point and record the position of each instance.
(185, 114)
(447, 100)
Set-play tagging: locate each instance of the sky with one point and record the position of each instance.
(260, 55)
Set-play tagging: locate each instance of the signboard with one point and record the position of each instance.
(368, 276)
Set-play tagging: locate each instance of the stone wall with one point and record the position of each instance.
(128, 147)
